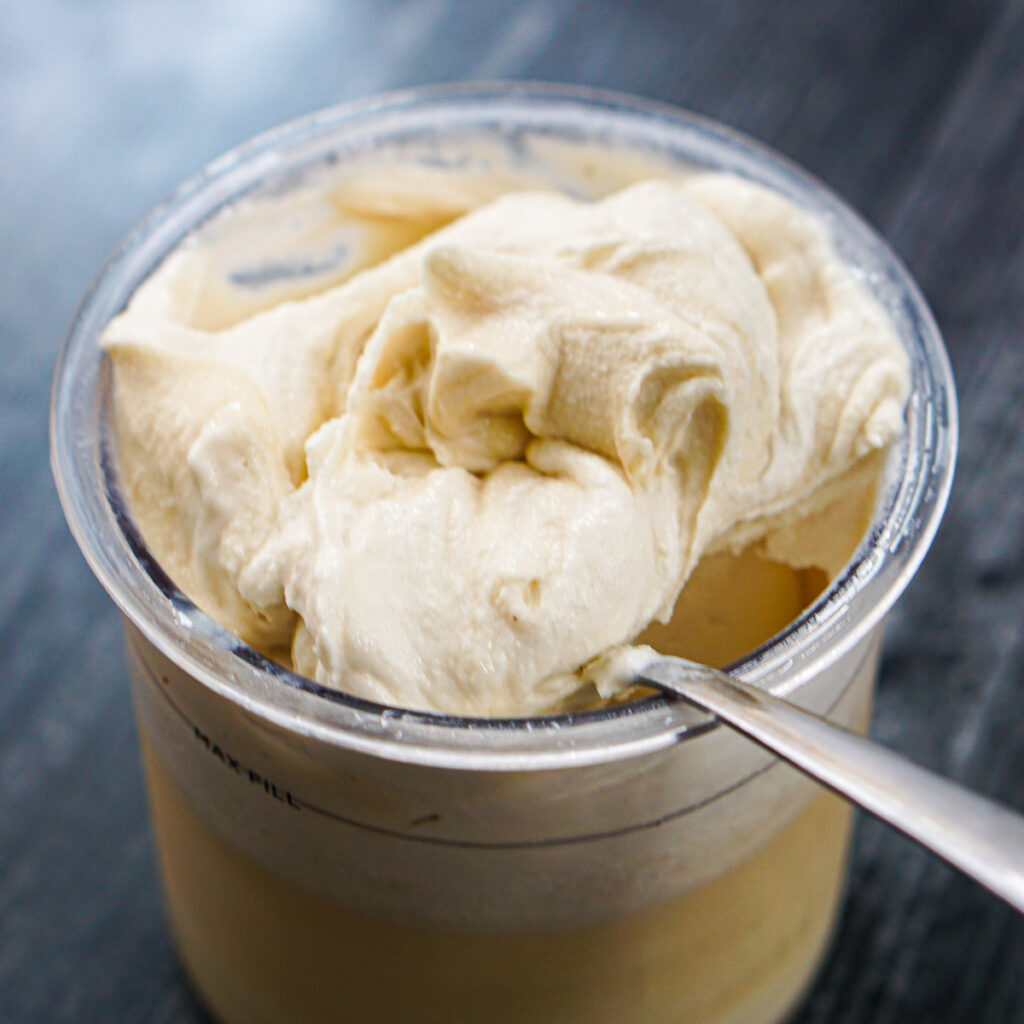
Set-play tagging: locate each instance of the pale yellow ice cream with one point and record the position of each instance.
(461, 474)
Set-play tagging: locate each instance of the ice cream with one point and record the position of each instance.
(464, 477)
(451, 400)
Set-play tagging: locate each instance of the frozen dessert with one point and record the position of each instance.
(470, 468)
(458, 401)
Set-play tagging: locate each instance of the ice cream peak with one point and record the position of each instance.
(463, 473)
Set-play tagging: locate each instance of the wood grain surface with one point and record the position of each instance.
(913, 111)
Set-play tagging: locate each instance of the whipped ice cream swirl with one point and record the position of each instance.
(457, 477)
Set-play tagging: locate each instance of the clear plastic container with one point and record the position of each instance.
(326, 858)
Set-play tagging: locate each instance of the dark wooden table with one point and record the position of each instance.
(913, 111)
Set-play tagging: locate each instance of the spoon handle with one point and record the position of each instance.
(976, 835)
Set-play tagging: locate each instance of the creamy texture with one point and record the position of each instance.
(458, 476)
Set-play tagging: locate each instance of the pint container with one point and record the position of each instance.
(329, 859)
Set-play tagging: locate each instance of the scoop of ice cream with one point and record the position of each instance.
(521, 433)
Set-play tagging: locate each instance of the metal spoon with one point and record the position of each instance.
(976, 835)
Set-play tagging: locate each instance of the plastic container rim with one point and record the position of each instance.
(908, 514)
